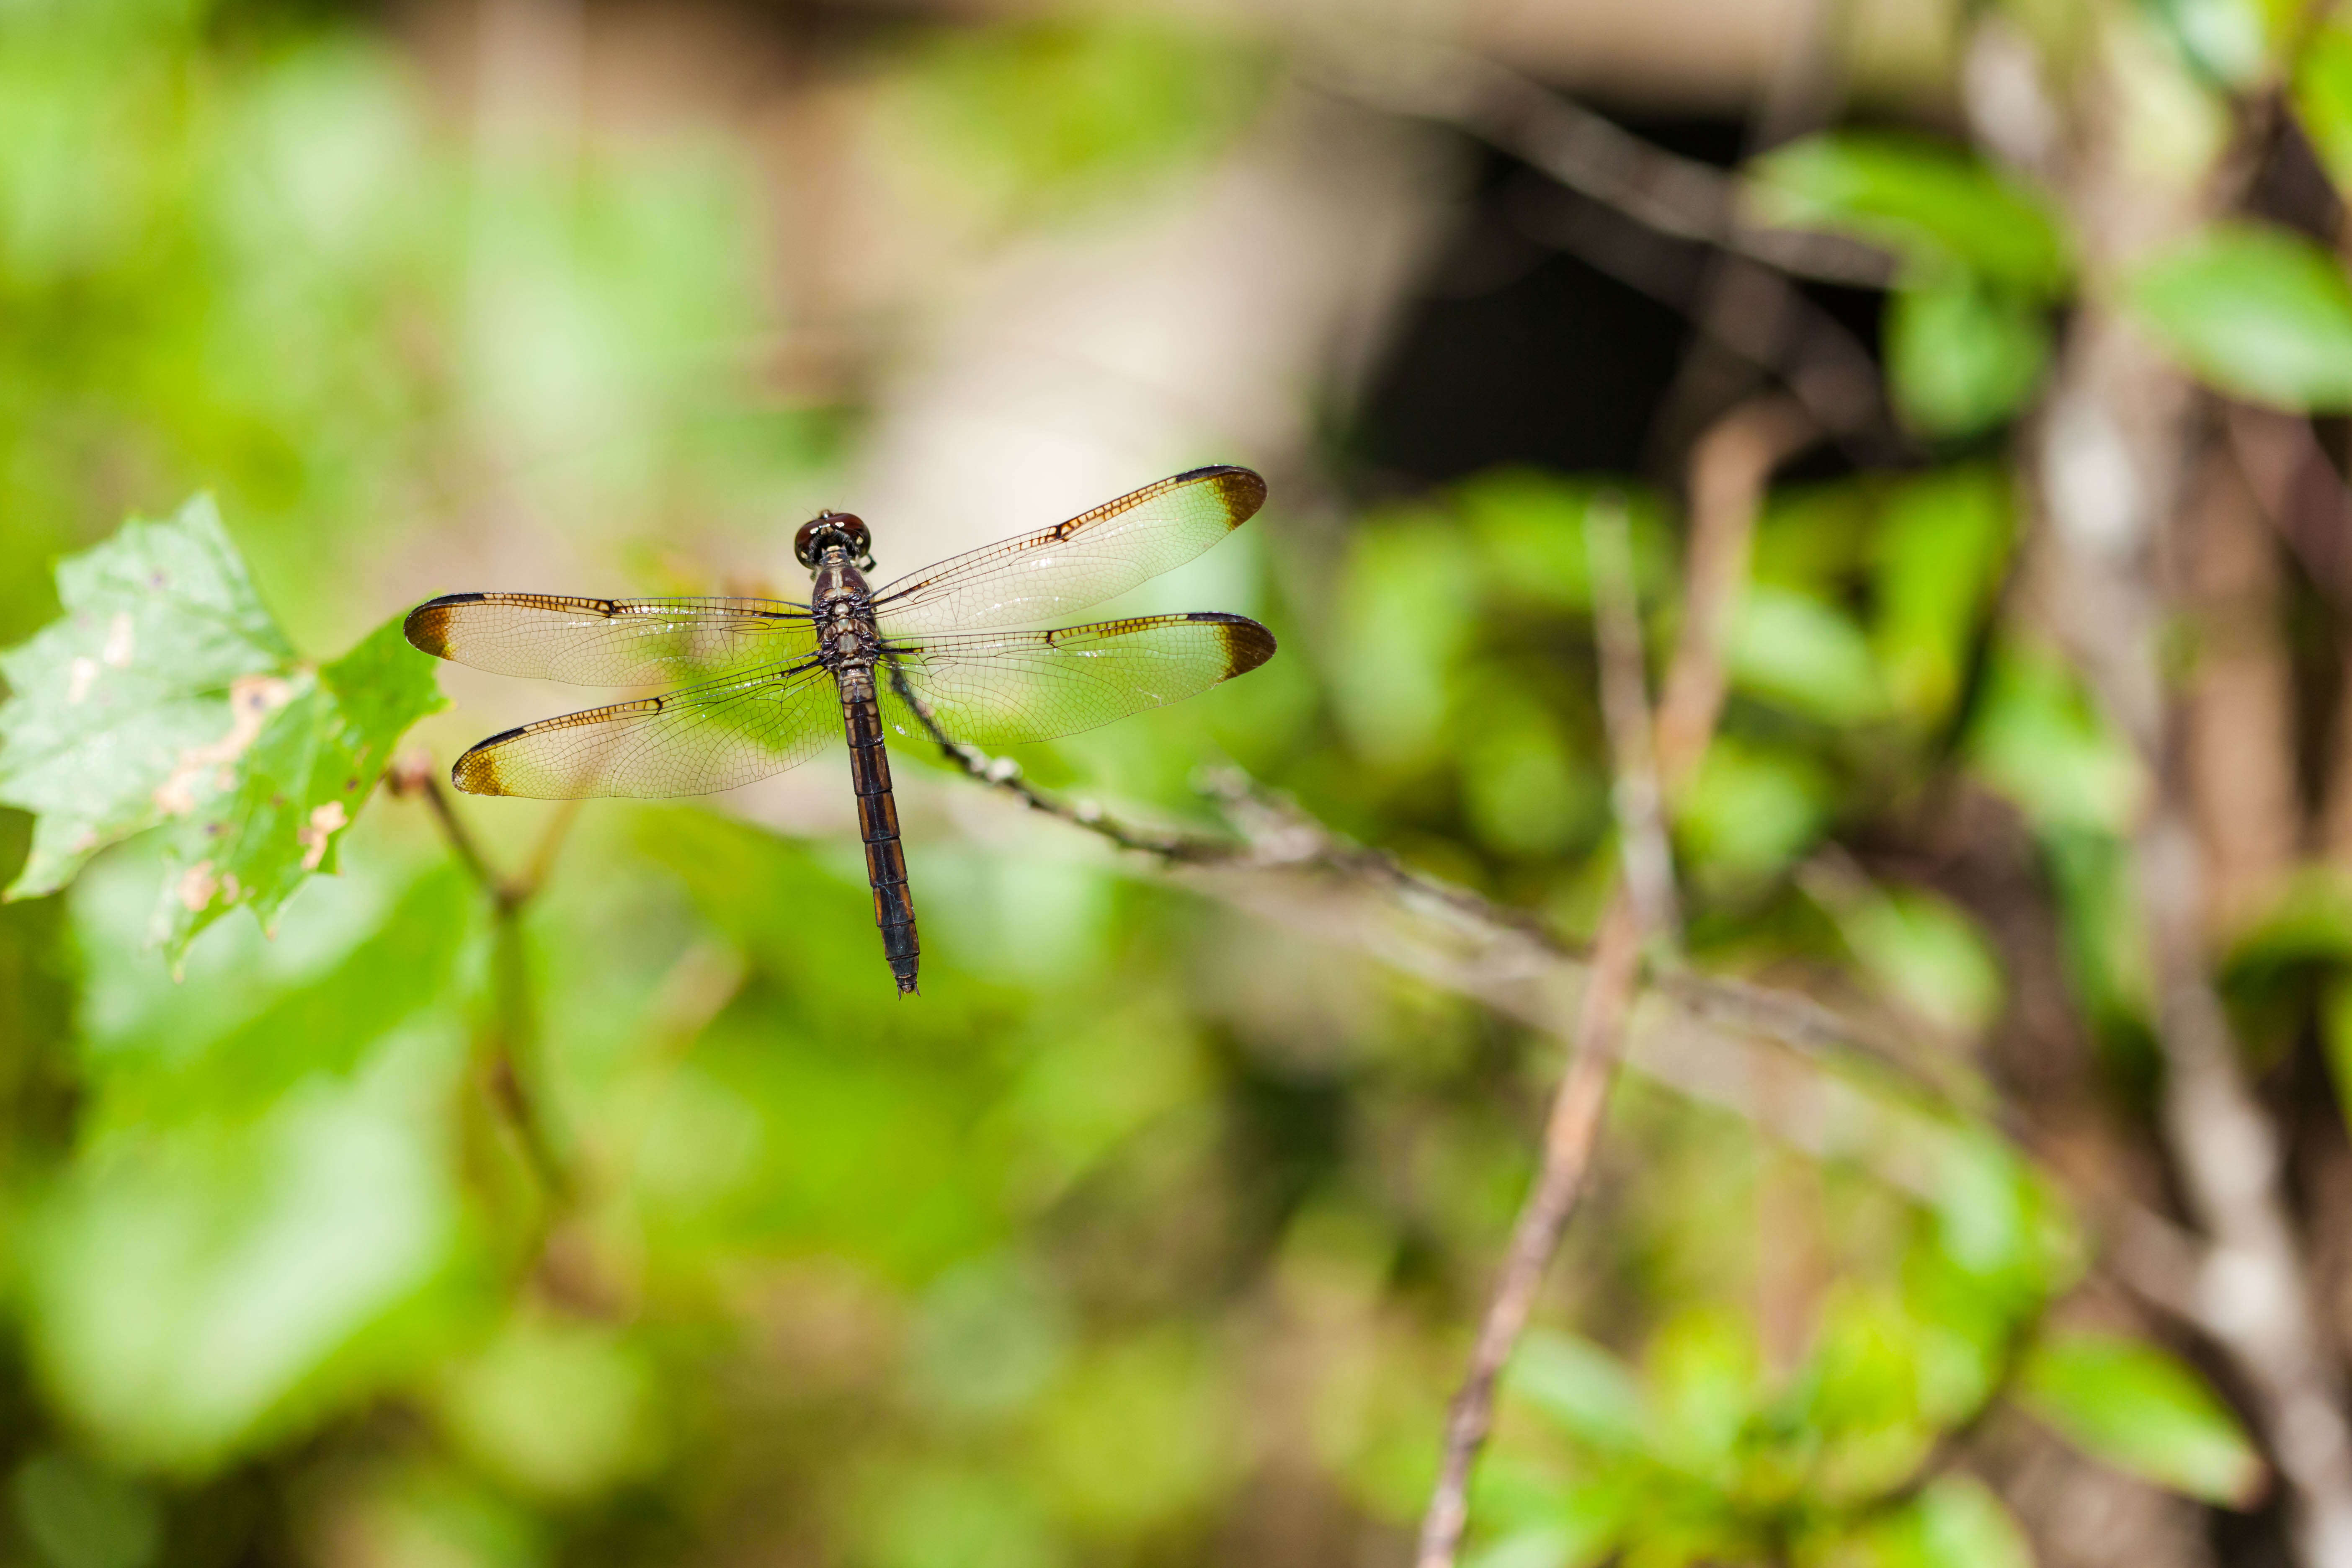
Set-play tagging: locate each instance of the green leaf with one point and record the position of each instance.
(1703, 1375)
(79, 1516)
(1802, 653)
(1963, 356)
(1522, 785)
(2144, 1412)
(2336, 1036)
(2039, 739)
(2323, 99)
(124, 712)
(1529, 528)
(1939, 553)
(196, 1289)
(300, 787)
(167, 694)
(2258, 311)
(1956, 1522)
(1934, 204)
(1928, 954)
(1591, 1393)
(1750, 811)
(1053, 111)
(2227, 42)
(1404, 622)
(558, 1409)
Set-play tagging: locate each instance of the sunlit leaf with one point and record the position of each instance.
(560, 1410)
(1963, 356)
(1701, 1373)
(1935, 204)
(2322, 97)
(1054, 110)
(1938, 552)
(1404, 621)
(1529, 528)
(167, 694)
(2258, 311)
(2144, 1412)
(199, 1288)
(1750, 811)
(1521, 783)
(2039, 739)
(128, 710)
(1592, 1394)
(1927, 954)
(2224, 39)
(1956, 1522)
(1799, 653)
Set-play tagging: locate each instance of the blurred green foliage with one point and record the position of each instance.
(1146, 1212)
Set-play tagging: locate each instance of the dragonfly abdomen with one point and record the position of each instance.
(877, 825)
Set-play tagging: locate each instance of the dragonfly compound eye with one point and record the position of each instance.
(829, 527)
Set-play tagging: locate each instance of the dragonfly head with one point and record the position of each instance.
(831, 528)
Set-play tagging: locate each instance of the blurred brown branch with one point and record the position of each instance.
(1591, 156)
(2119, 436)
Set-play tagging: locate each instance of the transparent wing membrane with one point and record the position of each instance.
(693, 741)
(611, 642)
(1002, 688)
(1065, 568)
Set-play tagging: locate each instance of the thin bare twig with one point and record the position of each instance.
(1730, 469)
(1647, 860)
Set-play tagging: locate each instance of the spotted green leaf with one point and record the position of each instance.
(167, 695)
(128, 709)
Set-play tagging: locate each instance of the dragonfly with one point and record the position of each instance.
(763, 685)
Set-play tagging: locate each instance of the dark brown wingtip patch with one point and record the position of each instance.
(477, 773)
(428, 624)
(1247, 643)
(1240, 490)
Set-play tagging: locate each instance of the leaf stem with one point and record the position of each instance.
(507, 1047)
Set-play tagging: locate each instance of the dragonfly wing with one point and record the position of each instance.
(693, 741)
(1001, 688)
(611, 642)
(1044, 575)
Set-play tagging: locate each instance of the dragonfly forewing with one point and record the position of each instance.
(1060, 569)
(611, 642)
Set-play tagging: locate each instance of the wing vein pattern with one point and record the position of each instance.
(694, 742)
(1082, 561)
(1002, 688)
(611, 642)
